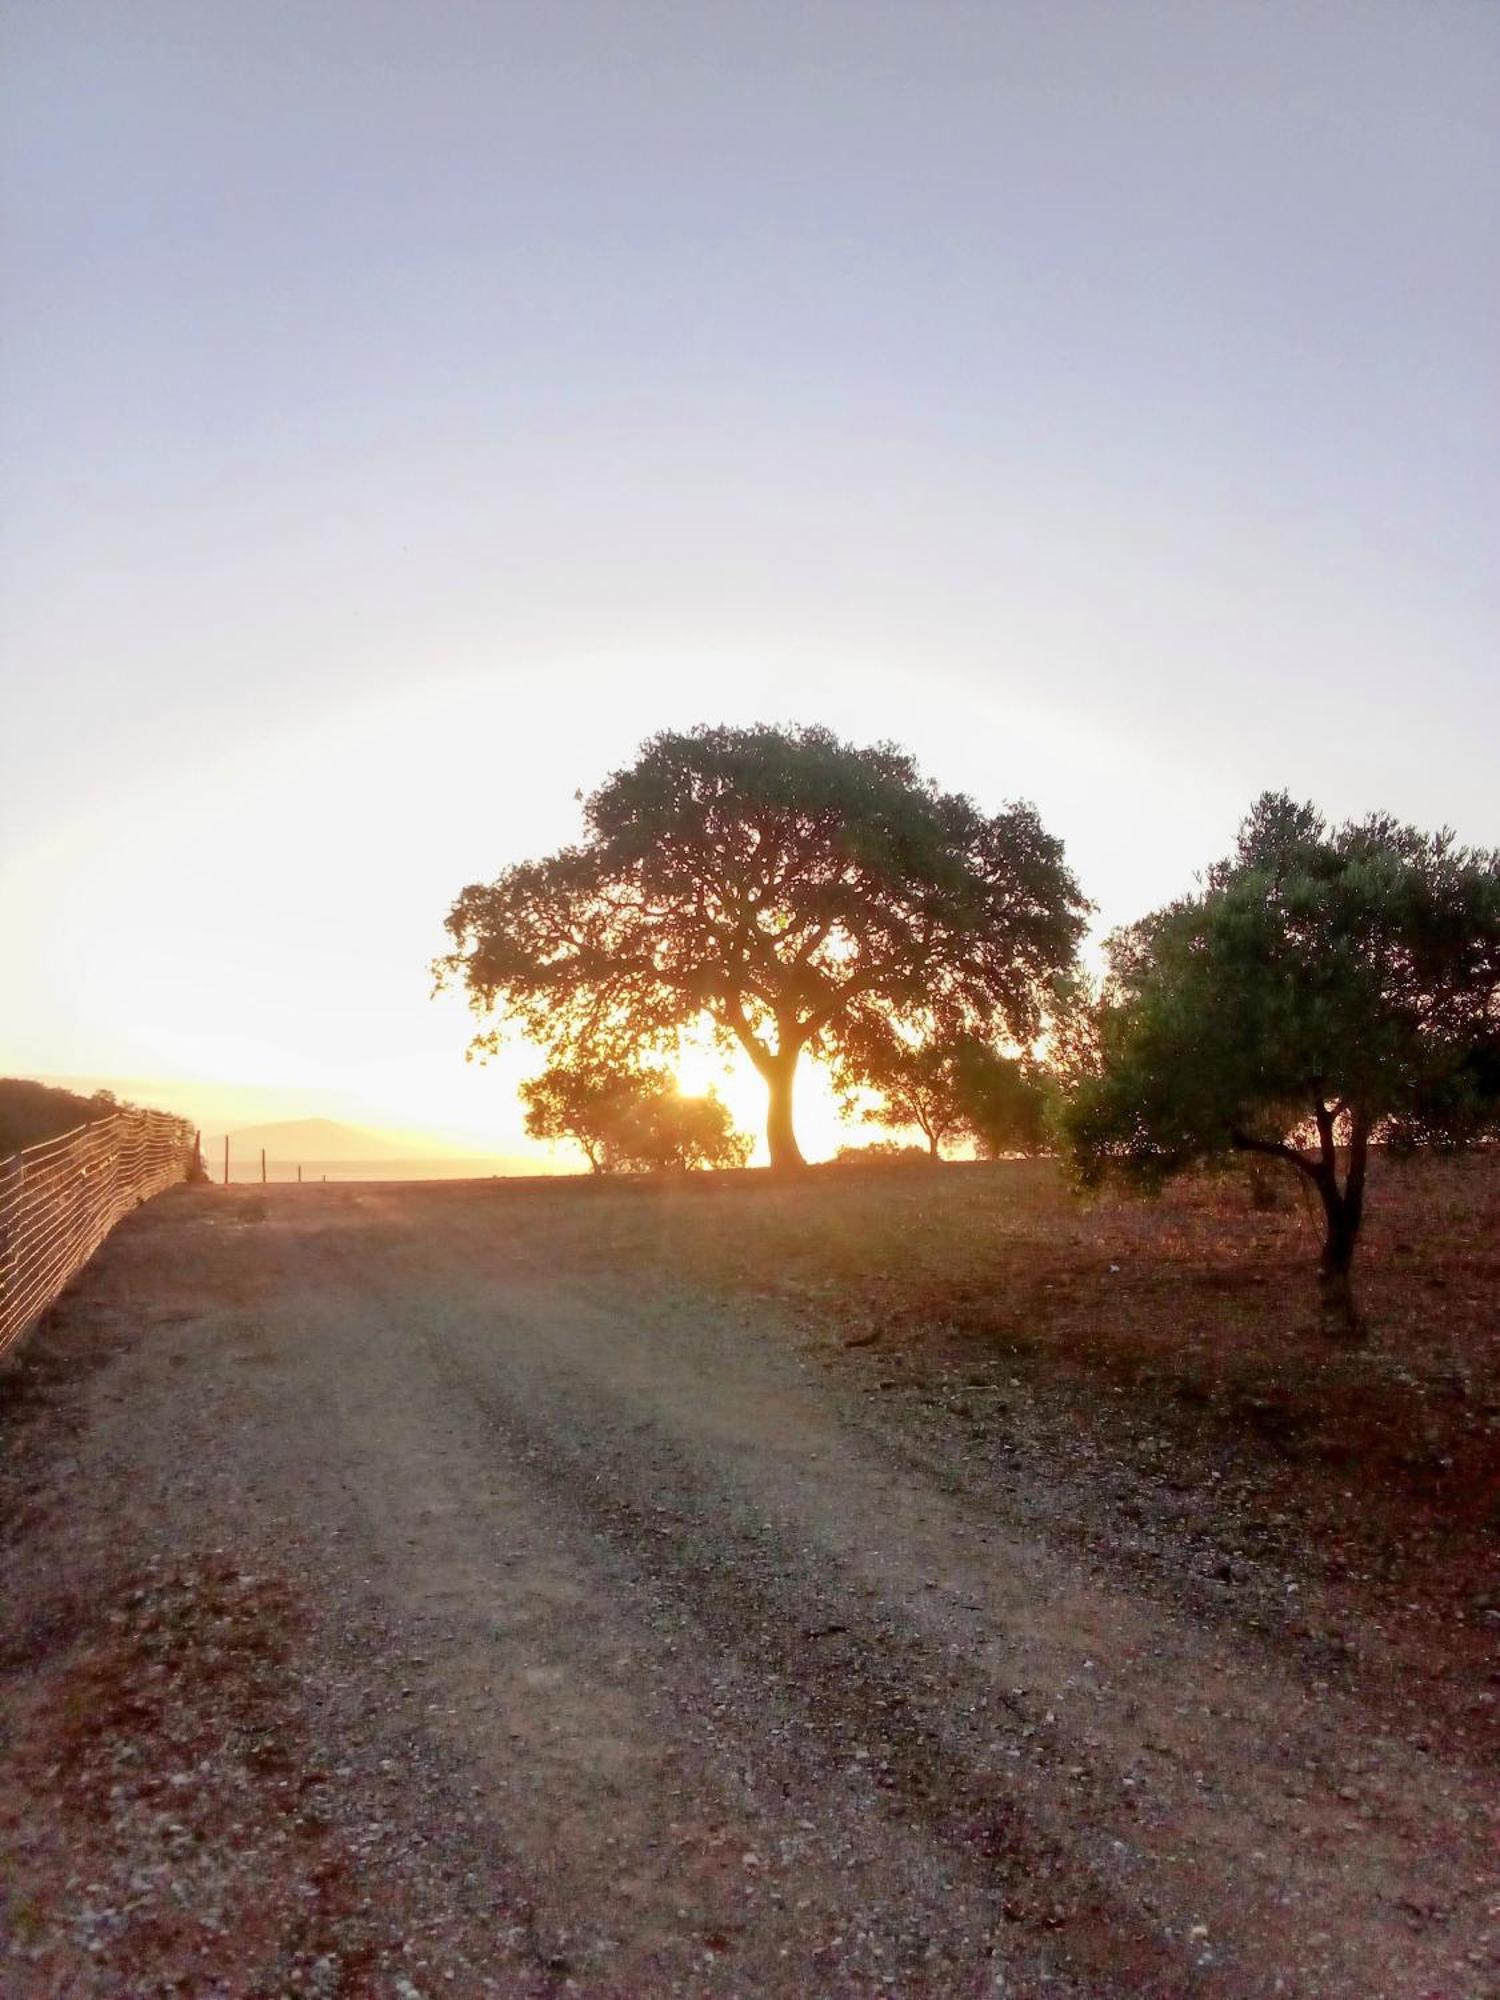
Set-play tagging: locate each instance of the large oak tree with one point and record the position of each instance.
(770, 883)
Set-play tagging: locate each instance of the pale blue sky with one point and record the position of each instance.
(407, 408)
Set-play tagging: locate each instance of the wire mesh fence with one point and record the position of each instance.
(60, 1199)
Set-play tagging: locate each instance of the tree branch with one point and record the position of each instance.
(1273, 1149)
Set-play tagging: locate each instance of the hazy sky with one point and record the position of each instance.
(406, 409)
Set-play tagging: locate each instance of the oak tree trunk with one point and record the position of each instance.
(781, 1134)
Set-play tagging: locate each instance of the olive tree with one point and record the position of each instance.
(1328, 988)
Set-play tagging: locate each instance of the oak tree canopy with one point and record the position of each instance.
(767, 882)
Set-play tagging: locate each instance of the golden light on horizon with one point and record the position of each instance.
(262, 950)
(269, 942)
(821, 1126)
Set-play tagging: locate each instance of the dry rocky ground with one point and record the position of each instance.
(910, 1583)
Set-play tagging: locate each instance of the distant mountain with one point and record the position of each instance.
(312, 1140)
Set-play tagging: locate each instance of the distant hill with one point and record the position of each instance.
(315, 1140)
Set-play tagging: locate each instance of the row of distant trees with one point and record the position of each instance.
(1323, 989)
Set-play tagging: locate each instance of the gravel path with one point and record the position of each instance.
(395, 1612)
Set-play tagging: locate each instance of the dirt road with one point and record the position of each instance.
(398, 1606)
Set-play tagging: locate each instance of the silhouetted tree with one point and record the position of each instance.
(949, 1084)
(914, 1082)
(632, 1121)
(883, 1153)
(578, 1100)
(767, 881)
(1007, 1102)
(664, 1130)
(1326, 989)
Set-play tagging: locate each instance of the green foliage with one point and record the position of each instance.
(949, 1084)
(915, 1083)
(631, 1121)
(1327, 987)
(664, 1131)
(1357, 971)
(1073, 1052)
(1007, 1103)
(768, 882)
(579, 1101)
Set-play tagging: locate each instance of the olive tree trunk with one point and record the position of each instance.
(1343, 1211)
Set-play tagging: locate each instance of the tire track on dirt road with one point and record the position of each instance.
(632, 1648)
(1188, 1783)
